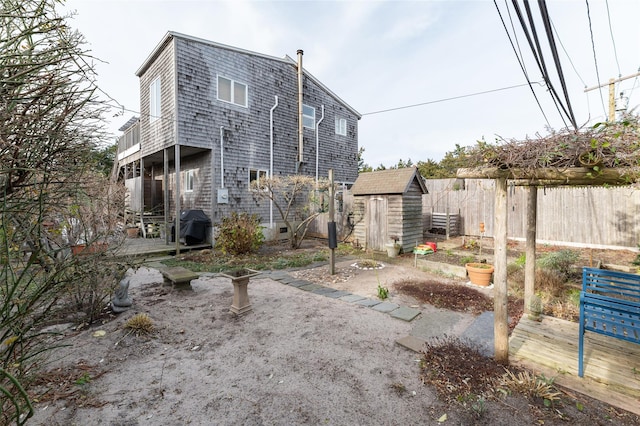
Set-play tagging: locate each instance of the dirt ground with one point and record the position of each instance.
(297, 358)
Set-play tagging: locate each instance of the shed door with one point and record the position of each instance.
(376, 217)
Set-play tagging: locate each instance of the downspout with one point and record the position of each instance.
(177, 153)
(221, 157)
(271, 158)
(318, 144)
(300, 127)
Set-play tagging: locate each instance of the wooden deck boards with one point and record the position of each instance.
(612, 366)
(153, 246)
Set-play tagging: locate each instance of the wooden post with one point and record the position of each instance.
(500, 326)
(165, 189)
(332, 257)
(612, 100)
(176, 193)
(612, 89)
(141, 171)
(530, 250)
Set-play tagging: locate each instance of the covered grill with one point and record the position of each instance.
(193, 227)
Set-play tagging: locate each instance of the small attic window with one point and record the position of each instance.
(154, 100)
(341, 126)
(308, 116)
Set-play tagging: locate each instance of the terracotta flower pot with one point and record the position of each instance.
(479, 273)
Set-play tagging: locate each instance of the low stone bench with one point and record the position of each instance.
(178, 276)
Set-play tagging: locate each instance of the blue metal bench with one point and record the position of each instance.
(609, 305)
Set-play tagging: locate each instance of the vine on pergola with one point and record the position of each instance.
(607, 153)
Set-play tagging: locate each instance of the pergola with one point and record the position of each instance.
(599, 156)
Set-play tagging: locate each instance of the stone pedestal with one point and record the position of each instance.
(241, 304)
(240, 280)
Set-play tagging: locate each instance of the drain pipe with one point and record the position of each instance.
(271, 158)
(318, 144)
(221, 157)
(300, 127)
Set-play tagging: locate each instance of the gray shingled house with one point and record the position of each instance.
(388, 203)
(214, 118)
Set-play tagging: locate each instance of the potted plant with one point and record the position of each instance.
(393, 249)
(132, 230)
(240, 280)
(479, 273)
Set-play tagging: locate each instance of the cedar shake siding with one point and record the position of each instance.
(194, 118)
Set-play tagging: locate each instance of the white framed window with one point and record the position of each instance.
(188, 181)
(231, 91)
(258, 176)
(154, 100)
(341, 126)
(308, 116)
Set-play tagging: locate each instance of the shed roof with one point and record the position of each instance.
(394, 181)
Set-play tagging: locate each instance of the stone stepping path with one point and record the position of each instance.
(477, 330)
(395, 311)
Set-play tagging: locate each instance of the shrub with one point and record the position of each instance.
(559, 261)
(89, 287)
(239, 234)
(549, 282)
(139, 324)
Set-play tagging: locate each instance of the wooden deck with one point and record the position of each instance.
(145, 247)
(550, 347)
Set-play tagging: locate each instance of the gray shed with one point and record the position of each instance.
(388, 203)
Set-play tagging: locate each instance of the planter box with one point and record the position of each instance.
(96, 247)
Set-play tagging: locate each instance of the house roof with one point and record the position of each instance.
(133, 120)
(394, 181)
(172, 34)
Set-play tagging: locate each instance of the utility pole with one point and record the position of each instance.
(612, 93)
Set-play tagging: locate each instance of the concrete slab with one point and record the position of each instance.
(280, 276)
(298, 283)
(367, 302)
(411, 342)
(310, 287)
(441, 322)
(405, 314)
(352, 298)
(286, 279)
(385, 307)
(480, 332)
(338, 294)
(324, 290)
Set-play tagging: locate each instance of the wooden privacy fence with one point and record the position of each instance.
(581, 216)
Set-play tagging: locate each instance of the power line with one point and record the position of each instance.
(595, 59)
(536, 50)
(567, 53)
(554, 52)
(635, 81)
(615, 51)
(451, 98)
(518, 54)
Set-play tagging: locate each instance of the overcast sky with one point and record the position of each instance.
(380, 55)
